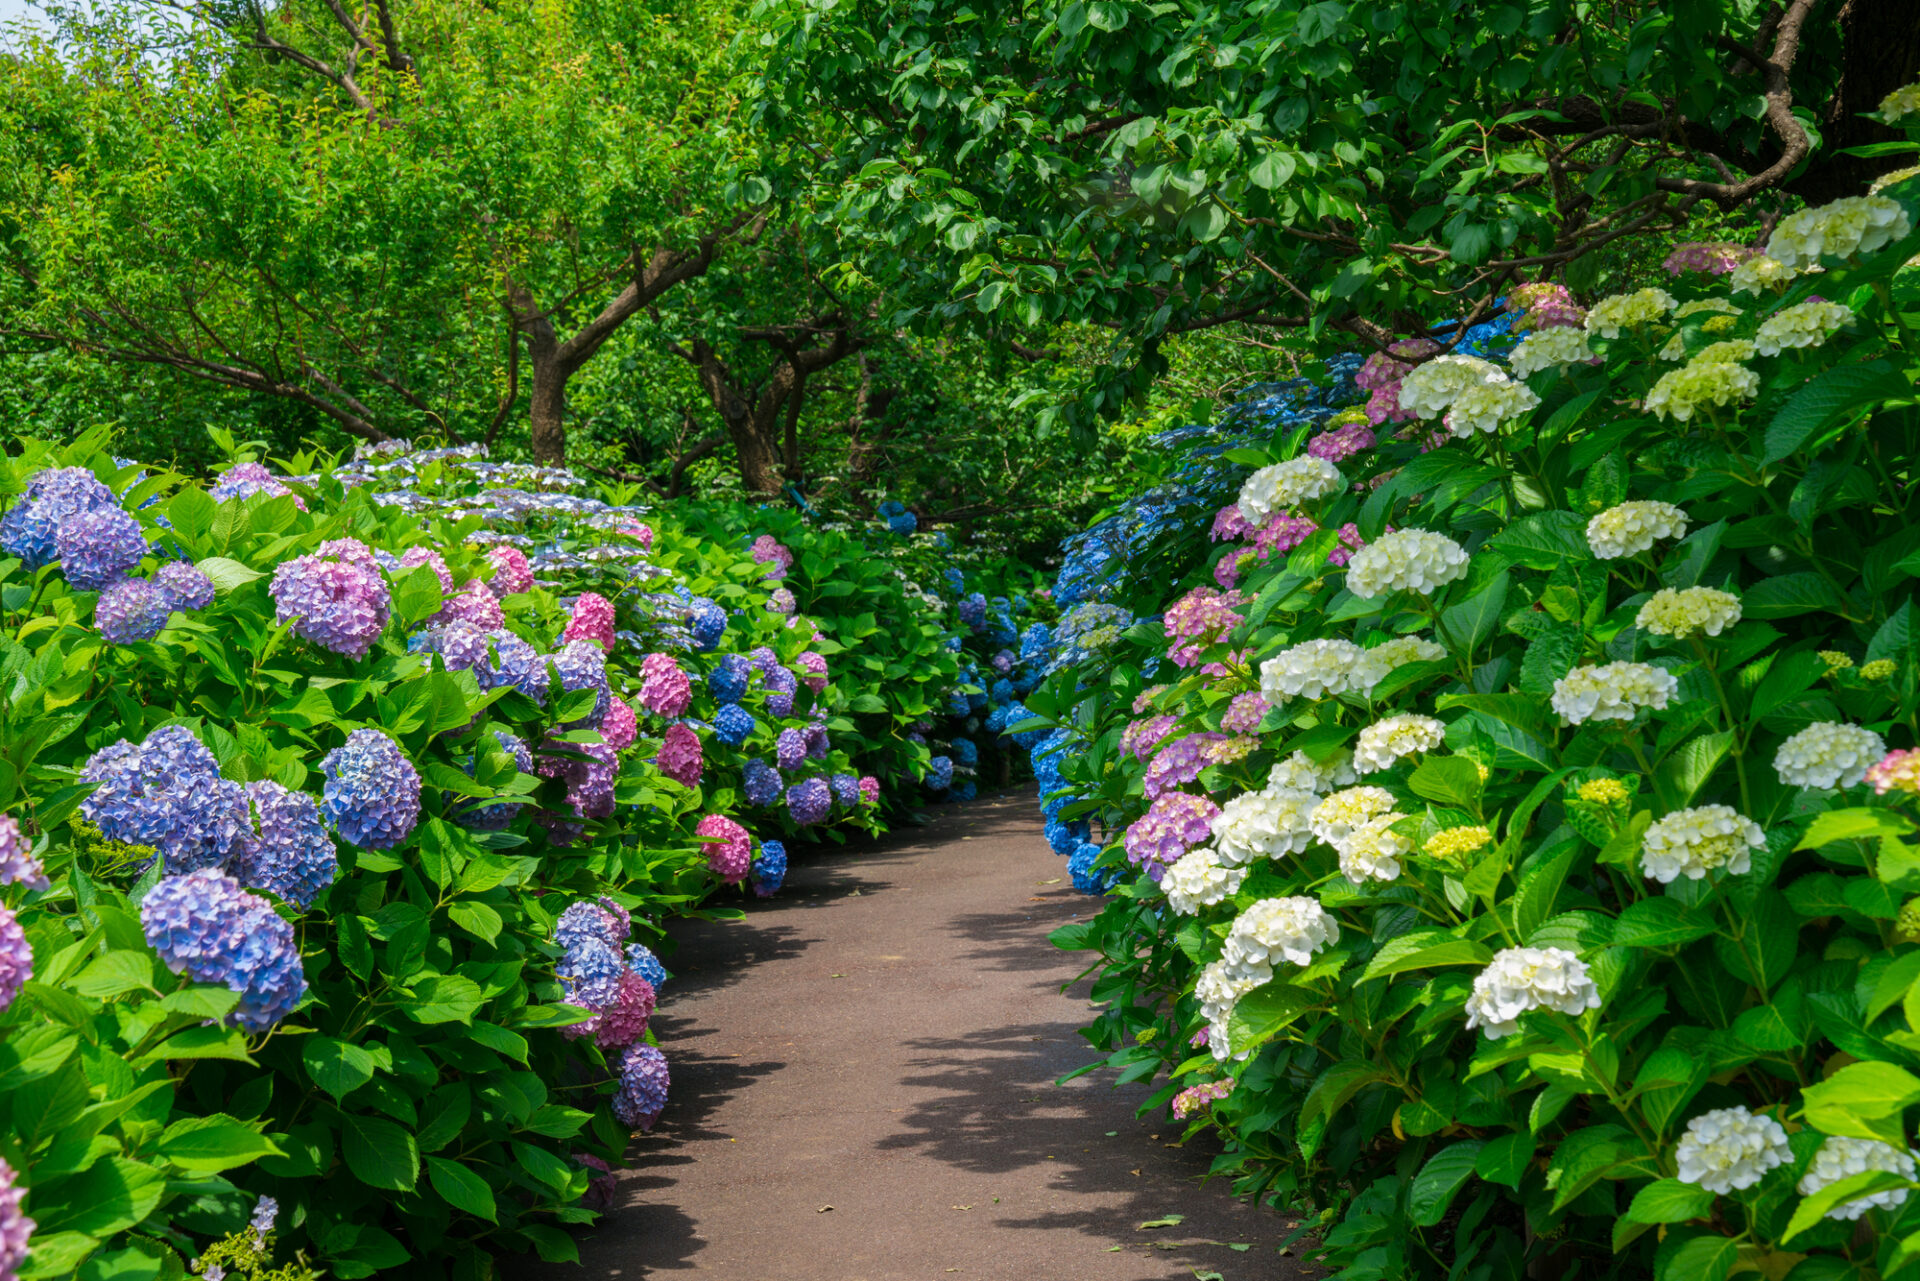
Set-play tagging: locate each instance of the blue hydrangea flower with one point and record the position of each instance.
(587, 921)
(727, 682)
(809, 801)
(761, 782)
(496, 818)
(846, 789)
(206, 927)
(964, 752)
(732, 724)
(957, 703)
(1086, 878)
(588, 961)
(99, 547)
(997, 719)
(1036, 644)
(770, 865)
(956, 581)
(707, 621)
(168, 793)
(819, 745)
(642, 961)
(515, 663)
(461, 646)
(372, 791)
(583, 665)
(940, 773)
(1001, 692)
(31, 526)
(790, 749)
(898, 518)
(965, 790)
(643, 1087)
(130, 610)
(186, 587)
(1066, 837)
(291, 854)
(973, 611)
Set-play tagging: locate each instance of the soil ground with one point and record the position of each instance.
(863, 1090)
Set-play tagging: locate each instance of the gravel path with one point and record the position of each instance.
(863, 1090)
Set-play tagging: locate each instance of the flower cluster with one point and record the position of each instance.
(1280, 486)
(1680, 612)
(1614, 692)
(1200, 879)
(1633, 527)
(1610, 315)
(206, 927)
(1841, 1157)
(1693, 842)
(1384, 742)
(1844, 228)
(372, 791)
(1520, 979)
(1828, 755)
(1806, 324)
(729, 849)
(1415, 560)
(1264, 824)
(1172, 825)
(337, 598)
(1730, 1149)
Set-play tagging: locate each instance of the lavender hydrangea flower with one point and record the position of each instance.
(770, 868)
(819, 746)
(782, 601)
(809, 801)
(185, 586)
(415, 557)
(761, 783)
(973, 611)
(643, 1087)
(585, 920)
(511, 573)
(372, 791)
(642, 961)
(291, 854)
(16, 1229)
(462, 646)
(337, 598)
(31, 527)
(790, 749)
(707, 621)
(99, 547)
(18, 866)
(781, 685)
(131, 610)
(496, 818)
(1172, 825)
(206, 927)
(515, 663)
(727, 682)
(732, 724)
(475, 605)
(583, 665)
(16, 957)
(940, 773)
(762, 659)
(168, 793)
(589, 771)
(846, 789)
(244, 480)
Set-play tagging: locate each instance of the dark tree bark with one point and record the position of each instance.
(1880, 51)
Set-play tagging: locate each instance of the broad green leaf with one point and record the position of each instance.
(461, 1188)
(380, 1153)
(1440, 1179)
(1670, 1201)
(212, 1143)
(336, 1066)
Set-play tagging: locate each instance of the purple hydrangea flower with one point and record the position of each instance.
(642, 961)
(206, 927)
(819, 746)
(790, 749)
(727, 682)
(31, 527)
(168, 793)
(16, 957)
(732, 724)
(372, 792)
(583, 665)
(584, 920)
(337, 598)
(588, 961)
(495, 818)
(462, 646)
(846, 789)
(681, 756)
(1179, 762)
(781, 685)
(761, 782)
(518, 664)
(291, 855)
(99, 547)
(18, 866)
(620, 726)
(782, 601)
(244, 480)
(474, 605)
(1172, 825)
(809, 801)
(769, 869)
(707, 621)
(588, 770)
(185, 586)
(973, 611)
(16, 1229)
(940, 773)
(130, 610)
(643, 1087)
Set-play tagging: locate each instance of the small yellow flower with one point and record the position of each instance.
(1456, 843)
(1879, 669)
(1482, 771)
(1602, 791)
(1907, 925)
(1836, 660)
(1718, 325)
(1145, 1034)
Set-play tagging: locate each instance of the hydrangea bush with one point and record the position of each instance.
(1556, 908)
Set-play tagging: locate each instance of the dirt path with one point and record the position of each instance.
(882, 1039)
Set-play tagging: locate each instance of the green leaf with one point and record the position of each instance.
(112, 1195)
(209, 1144)
(1681, 776)
(1851, 825)
(444, 998)
(1788, 595)
(1863, 1100)
(1272, 170)
(1505, 1159)
(1470, 622)
(1424, 951)
(1266, 1011)
(1439, 1180)
(336, 1066)
(227, 575)
(1544, 540)
(380, 1153)
(476, 918)
(190, 512)
(1813, 1209)
(119, 971)
(1830, 399)
(1447, 780)
(1702, 1258)
(461, 1188)
(1670, 1201)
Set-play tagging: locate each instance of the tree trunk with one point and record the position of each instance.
(547, 408)
(1880, 51)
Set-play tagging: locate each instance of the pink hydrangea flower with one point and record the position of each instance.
(1227, 571)
(1545, 305)
(729, 848)
(1282, 534)
(1350, 536)
(816, 665)
(869, 790)
(473, 604)
(664, 688)
(1229, 524)
(1714, 258)
(511, 573)
(1142, 736)
(1179, 762)
(620, 726)
(1898, 771)
(1381, 375)
(680, 757)
(591, 620)
(1144, 699)
(634, 529)
(1198, 619)
(768, 551)
(1244, 713)
(414, 557)
(1342, 442)
(1198, 1098)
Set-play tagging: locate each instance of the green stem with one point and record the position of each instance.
(1733, 726)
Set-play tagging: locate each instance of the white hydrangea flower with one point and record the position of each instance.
(1280, 929)
(1719, 306)
(1300, 772)
(1731, 352)
(1336, 816)
(1676, 348)
(1805, 324)
(1199, 879)
(1286, 485)
(1633, 527)
(1730, 1149)
(1416, 560)
(1402, 650)
(1384, 742)
(1628, 311)
(1484, 406)
(1611, 693)
(1316, 669)
(1219, 989)
(1828, 755)
(1696, 841)
(1761, 274)
(1519, 979)
(1848, 226)
(1842, 1157)
(1430, 389)
(1264, 825)
(1902, 102)
(1682, 392)
(1680, 612)
(1372, 850)
(1550, 349)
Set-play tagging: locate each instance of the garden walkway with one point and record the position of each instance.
(863, 1090)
